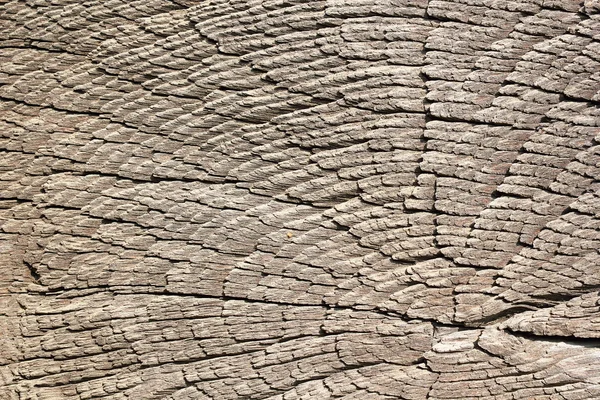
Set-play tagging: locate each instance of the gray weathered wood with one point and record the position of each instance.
(288, 199)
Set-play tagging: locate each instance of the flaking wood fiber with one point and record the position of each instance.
(284, 199)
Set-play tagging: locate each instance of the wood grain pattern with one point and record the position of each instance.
(288, 199)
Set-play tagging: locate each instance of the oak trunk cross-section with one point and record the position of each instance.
(293, 199)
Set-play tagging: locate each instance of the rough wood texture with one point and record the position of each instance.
(287, 199)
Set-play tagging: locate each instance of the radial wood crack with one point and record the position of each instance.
(292, 199)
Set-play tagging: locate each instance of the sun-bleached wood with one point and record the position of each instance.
(288, 199)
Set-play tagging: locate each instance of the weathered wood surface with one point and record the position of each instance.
(284, 199)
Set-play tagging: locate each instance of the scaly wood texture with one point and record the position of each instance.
(288, 199)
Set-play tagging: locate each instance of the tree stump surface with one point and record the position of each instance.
(287, 199)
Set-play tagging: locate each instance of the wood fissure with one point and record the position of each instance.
(279, 200)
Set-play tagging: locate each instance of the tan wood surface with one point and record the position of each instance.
(285, 199)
